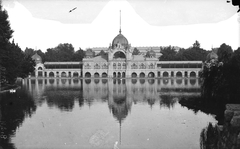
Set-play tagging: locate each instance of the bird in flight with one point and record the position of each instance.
(72, 9)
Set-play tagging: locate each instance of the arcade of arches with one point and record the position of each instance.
(118, 62)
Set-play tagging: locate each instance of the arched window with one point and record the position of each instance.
(124, 65)
(134, 66)
(151, 66)
(104, 66)
(96, 66)
(87, 66)
(114, 66)
(142, 66)
(119, 65)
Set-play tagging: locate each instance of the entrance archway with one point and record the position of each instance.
(165, 74)
(40, 73)
(63, 74)
(75, 74)
(142, 75)
(178, 74)
(119, 54)
(134, 75)
(87, 74)
(119, 75)
(123, 74)
(51, 74)
(114, 75)
(96, 75)
(192, 74)
(151, 75)
(104, 75)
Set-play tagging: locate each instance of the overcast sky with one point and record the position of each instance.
(44, 24)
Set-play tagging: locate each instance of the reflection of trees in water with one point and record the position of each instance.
(167, 101)
(151, 101)
(207, 106)
(14, 108)
(63, 98)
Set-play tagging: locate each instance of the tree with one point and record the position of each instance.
(224, 53)
(29, 51)
(78, 55)
(5, 36)
(27, 66)
(14, 60)
(51, 55)
(196, 44)
(168, 54)
(194, 53)
(221, 81)
(135, 51)
(63, 52)
(11, 57)
(101, 53)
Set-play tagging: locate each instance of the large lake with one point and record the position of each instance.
(101, 113)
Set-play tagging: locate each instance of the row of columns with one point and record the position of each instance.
(41, 73)
(174, 73)
(120, 74)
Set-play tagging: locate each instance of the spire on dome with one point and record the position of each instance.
(120, 23)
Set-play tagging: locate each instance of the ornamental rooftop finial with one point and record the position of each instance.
(120, 23)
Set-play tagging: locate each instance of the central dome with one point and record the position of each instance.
(120, 39)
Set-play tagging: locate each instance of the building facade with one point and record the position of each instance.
(56, 69)
(119, 61)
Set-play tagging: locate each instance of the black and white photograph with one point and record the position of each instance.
(119, 74)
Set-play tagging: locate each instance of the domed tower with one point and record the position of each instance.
(211, 57)
(119, 54)
(37, 58)
(120, 41)
(39, 68)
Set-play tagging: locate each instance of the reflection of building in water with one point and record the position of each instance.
(56, 92)
(138, 90)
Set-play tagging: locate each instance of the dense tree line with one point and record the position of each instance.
(193, 53)
(13, 62)
(221, 81)
(61, 53)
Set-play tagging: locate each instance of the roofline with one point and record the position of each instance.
(179, 62)
(59, 63)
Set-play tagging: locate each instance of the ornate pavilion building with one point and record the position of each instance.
(119, 61)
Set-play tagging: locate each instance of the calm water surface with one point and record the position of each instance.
(97, 113)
